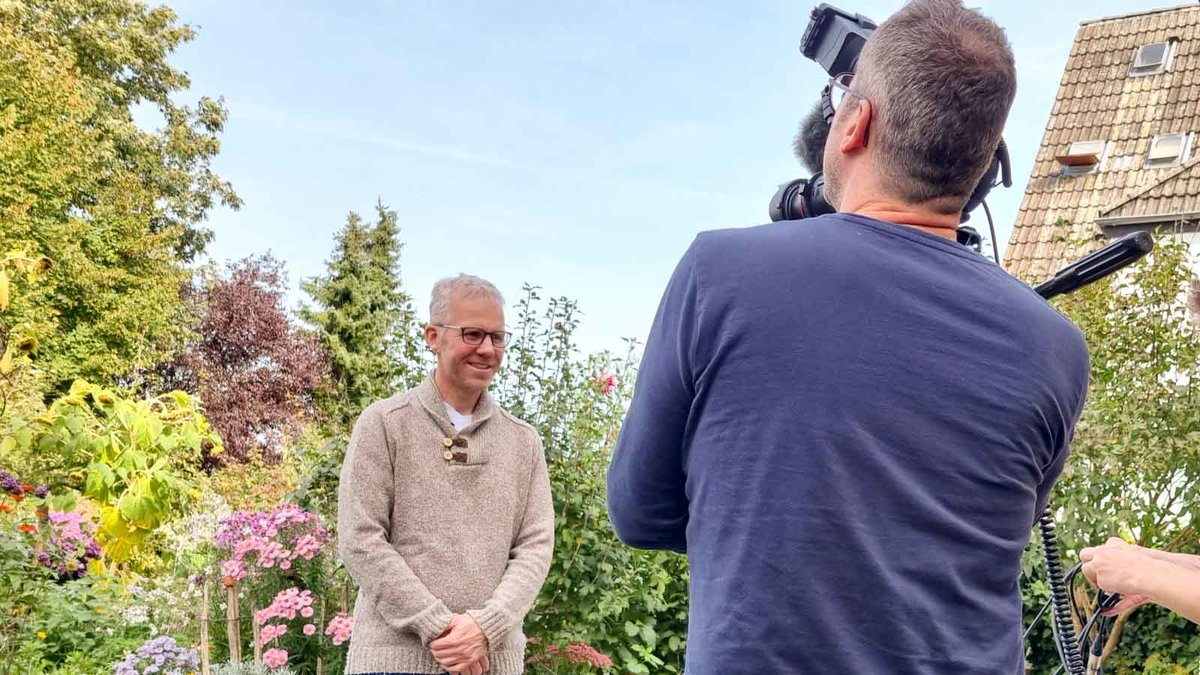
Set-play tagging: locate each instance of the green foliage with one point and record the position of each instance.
(248, 669)
(116, 206)
(69, 616)
(364, 319)
(1135, 460)
(120, 51)
(133, 458)
(630, 605)
(320, 459)
(254, 485)
(16, 269)
(53, 626)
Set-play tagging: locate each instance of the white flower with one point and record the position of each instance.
(136, 615)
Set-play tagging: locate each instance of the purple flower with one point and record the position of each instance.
(41, 491)
(69, 546)
(10, 484)
(161, 654)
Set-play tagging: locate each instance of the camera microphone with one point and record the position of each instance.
(809, 144)
(805, 197)
(1098, 264)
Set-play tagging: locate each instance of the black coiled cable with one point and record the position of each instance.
(1064, 627)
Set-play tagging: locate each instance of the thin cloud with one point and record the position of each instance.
(351, 131)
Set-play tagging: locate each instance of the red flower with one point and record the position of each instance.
(576, 652)
(17, 498)
(5, 508)
(582, 652)
(606, 382)
(26, 527)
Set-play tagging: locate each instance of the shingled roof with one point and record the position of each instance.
(1100, 100)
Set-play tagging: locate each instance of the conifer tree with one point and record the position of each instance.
(363, 318)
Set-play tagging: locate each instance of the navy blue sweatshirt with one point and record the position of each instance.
(850, 427)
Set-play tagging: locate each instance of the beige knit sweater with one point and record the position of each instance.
(433, 522)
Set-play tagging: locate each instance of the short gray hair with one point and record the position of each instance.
(463, 285)
(943, 79)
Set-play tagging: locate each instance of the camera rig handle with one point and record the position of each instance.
(1092, 267)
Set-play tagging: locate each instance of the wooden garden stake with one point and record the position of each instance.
(233, 623)
(204, 638)
(257, 639)
(321, 638)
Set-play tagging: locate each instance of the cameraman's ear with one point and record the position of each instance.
(853, 136)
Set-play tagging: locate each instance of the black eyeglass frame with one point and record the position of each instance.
(504, 337)
(830, 98)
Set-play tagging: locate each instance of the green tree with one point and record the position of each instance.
(363, 318)
(16, 270)
(117, 206)
(403, 345)
(1135, 459)
(629, 604)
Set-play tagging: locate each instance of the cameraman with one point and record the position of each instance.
(850, 423)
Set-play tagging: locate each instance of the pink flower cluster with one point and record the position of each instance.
(233, 571)
(267, 525)
(266, 540)
(69, 546)
(575, 653)
(340, 627)
(307, 546)
(606, 382)
(275, 658)
(270, 553)
(582, 652)
(71, 524)
(271, 632)
(287, 605)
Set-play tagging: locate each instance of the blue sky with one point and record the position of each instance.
(574, 146)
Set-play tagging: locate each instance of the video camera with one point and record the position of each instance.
(834, 39)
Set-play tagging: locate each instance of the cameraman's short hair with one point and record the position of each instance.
(463, 285)
(942, 79)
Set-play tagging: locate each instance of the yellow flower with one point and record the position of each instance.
(41, 635)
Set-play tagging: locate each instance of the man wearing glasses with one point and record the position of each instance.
(444, 512)
(850, 423)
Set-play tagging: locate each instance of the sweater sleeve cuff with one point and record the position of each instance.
(492, 622)
(432, 622)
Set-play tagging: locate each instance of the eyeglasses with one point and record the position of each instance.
(839, 90)
(474, 336)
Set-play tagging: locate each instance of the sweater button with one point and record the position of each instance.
(447, 441)
(447, 455)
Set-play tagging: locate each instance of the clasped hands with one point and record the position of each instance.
(462, 648)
